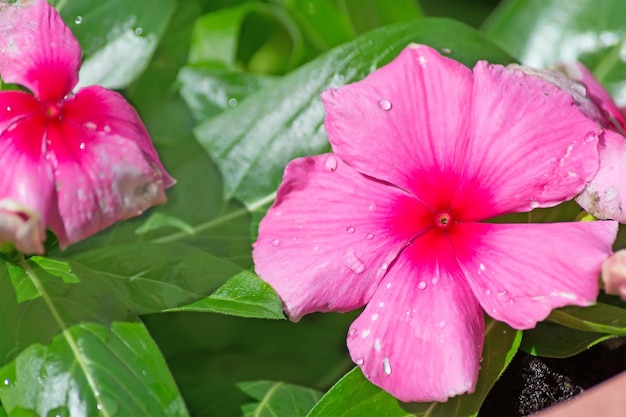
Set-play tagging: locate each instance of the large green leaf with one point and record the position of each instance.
(75, 348)
(354, 396)
(277, 399)
(599, 318)
(365, 15)
(555, 341)
(544, 32)
(252, 143)
(118, 37)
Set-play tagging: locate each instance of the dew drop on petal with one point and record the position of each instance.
(316, 248)
(384, 267)
(384, 104)
(611, 193)
(377, 344)
(381, 304)
(78, 20)
(107, 128)
(330, 164)
(488, 291)
(90, 125)
(8, 108)
(82, 145)
(275, 242)
(352, 332)
(590, 136)
(386, 366)
(365, 333)
(421, 285)
(435, 281)
(534, 204)
(359, 361)
(388, 285)
(374, 316)
(350, 230)
(442, 324)
(369, 236)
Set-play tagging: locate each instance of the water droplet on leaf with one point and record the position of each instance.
(78, 20)
(138, 31)
(7, 382)
(232, 102)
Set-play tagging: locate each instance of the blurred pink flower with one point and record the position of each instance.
(76, 163)
(605, 195)
(614, 274)
(424, 149)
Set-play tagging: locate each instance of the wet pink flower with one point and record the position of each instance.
(425, 149)
(73, 162)
(614, 274)
(605, 195)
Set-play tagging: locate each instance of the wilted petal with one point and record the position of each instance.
(605, 195)
(520, 272)
(108, 113)
(420, 337)
(100, 178)
(331, 235)
(531, 146)
(37, 50)
(405, 122)
(614, 274)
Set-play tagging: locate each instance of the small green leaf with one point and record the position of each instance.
(354, 396)
(599, 318)
(555, 341)
(118, 37)
(158, 220)
(278, 399)
(244, 295)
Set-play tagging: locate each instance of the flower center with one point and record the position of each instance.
(443, 220)
(51, 110)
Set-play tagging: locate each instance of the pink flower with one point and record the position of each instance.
(614, 274)
(76, 163)
(605, 195)
(424, 149)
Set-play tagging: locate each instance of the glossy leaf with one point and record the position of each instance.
(77, 348)
(556, 341)
(278, 399)
(118, 37)
(598, 318)
(355, 396)
(244, 295)
(371, 14)
(252, 143)
(544, 32)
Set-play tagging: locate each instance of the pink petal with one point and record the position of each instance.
(26, 189)
(420, 337)
(103, 174)
(605, 195)
(531, 146)
(104, 111)
(614, 274)
(405, 123)
(596, 92)
(37, 50)
(520, 272)
(331, 235)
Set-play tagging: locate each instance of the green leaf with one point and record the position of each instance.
(3, 412)
(209, 91)
(371, 14)
(278, 399)
(244, 295)
(555, 341)
(355, 396)
(252, 143)
(77, 348)
(599, 318)
(544, 32)
(118, 37)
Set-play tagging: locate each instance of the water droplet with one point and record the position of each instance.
(8, 108)
(352, 261)
(384, 267)
(590, 136)
(359, 361)
(442, 324)
(99, 406)
(330, 164)
(374, 316)
(534, 204)
(502, 293)
(488, 291)
(386, 366)
(446, 50)
(421, 285)
(7, 382)
(350, 230)
(275, 242)
(384, 104)
(377, 344)
(107, 128)
(138, 31)
(381, 304)
(365, 333)
(369, 236)
(481, 268)
(82, 146)
(316, 248)
(232, 102)
(78, 20)
(435, 281)
(90, 125)
(388, 284)
(352, 332)
(611, 193)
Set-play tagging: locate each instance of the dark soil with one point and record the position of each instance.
(531, 383)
